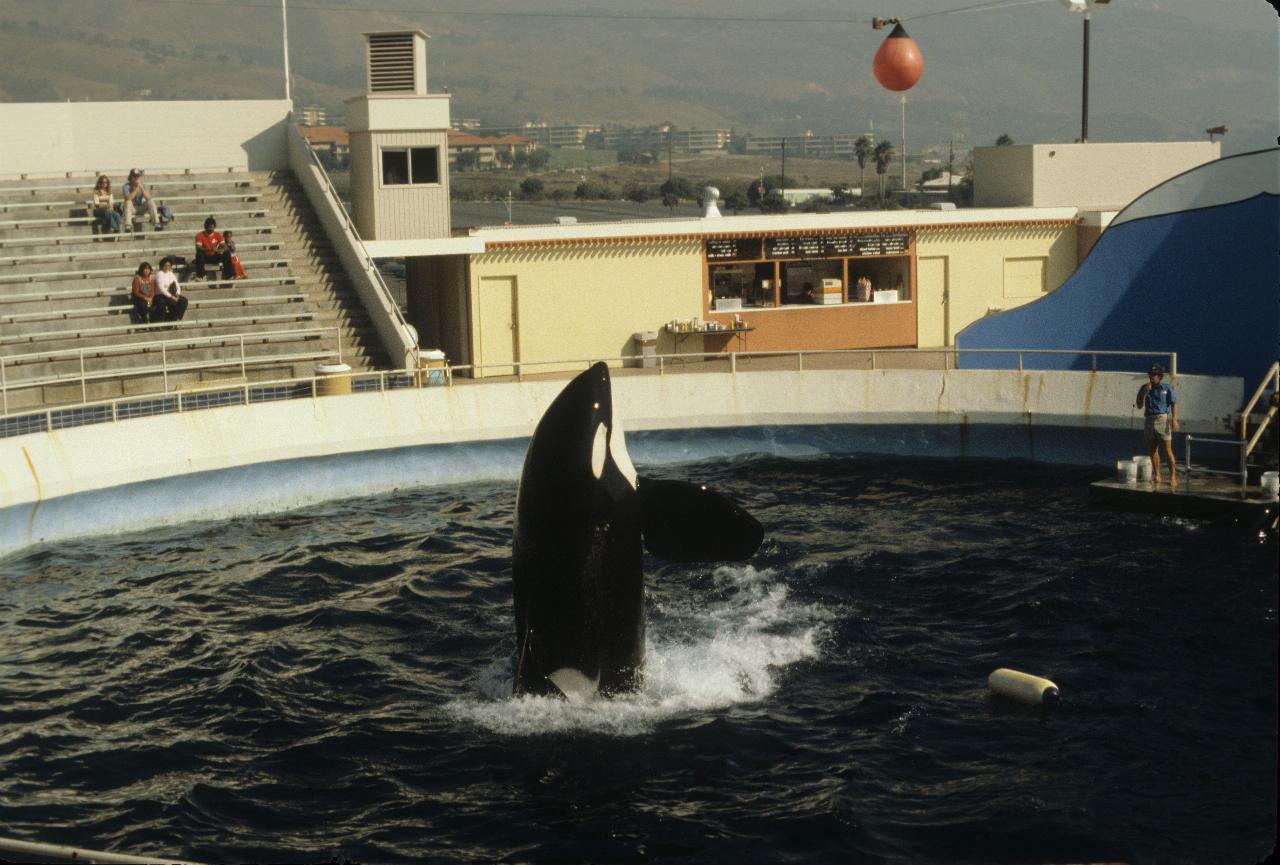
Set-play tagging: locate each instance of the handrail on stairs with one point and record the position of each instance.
(1244, 444)
(399, 337)
(1272, 378)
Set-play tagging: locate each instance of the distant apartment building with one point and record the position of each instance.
(656, 137)
(839, 146)
(544, 134)
(332, 140)
(490, 150)
(312, 115)
(466, 123)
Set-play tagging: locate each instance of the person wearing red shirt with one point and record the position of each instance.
(210, 247)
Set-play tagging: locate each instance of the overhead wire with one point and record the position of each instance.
(590, 16)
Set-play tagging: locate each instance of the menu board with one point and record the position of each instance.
(807, 246)
(836, 245)
(734, 249)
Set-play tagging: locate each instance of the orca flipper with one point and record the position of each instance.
(684, 522)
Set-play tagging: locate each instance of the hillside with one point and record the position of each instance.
(1161, 70)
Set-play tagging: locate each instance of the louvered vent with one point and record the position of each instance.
(391, 63)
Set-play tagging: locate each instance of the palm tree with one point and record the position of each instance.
(863, 148)
(883, 155)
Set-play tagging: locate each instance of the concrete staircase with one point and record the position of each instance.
(65, 330)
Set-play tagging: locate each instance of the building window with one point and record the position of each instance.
(410, 166)
(741, 286)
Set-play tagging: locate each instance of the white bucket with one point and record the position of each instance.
(1144, 468)
(1127, 471)
(1271, 484)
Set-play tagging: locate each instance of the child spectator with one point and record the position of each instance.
(104, 207)
(136, 197)
(235, 259)
(211, 246)
(142, 294)
(169, 297)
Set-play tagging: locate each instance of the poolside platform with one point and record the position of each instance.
(1198, 495)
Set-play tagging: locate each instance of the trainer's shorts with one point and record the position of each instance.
(1156, 428)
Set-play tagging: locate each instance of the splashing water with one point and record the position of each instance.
(698, 658)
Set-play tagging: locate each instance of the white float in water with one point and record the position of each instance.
(1023, 687)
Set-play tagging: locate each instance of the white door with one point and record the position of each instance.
(497, 326)
(934, 303)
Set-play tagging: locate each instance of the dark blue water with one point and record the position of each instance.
(332, 682)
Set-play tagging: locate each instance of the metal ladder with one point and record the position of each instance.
(1245, 444)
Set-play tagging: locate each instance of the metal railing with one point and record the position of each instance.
(246, 393)
(875, 355)
(407, 342)
(1244, 444)
(165, 368)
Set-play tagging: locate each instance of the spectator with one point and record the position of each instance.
(142, 294)
(168, 293)
(103, 206)
(136, 197)
(211, 246)
(235, 259)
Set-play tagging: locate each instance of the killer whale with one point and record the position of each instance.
(583, 520)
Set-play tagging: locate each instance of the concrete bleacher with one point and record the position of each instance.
(65, 329)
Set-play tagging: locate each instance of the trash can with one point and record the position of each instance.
(433, 361)
(332, 379)
(646, 348)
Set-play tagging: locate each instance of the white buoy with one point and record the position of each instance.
(1023, 687)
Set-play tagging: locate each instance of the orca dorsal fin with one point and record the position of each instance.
(574, 684)
(684, 522)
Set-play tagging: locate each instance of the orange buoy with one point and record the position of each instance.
(898, 64)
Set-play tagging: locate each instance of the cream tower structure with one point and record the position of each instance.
(399, 144)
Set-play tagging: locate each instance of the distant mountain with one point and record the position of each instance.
(1161, 69)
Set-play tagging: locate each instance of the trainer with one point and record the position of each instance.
(1160, 405)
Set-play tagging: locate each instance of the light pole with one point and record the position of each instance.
(284, 21)
(1087, 7)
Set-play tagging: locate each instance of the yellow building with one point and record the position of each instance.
(531, 295)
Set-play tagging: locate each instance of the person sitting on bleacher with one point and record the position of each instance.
(210, 246)
(170, 300)
(143, 294)
(136, 197)
(235, 259)
(103, 206)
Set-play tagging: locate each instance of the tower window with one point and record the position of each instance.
(410, 166)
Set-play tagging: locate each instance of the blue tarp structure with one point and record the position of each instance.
(1191, 266)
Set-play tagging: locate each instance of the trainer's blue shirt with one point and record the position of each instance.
(1159, 399)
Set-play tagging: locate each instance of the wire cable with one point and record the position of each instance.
(588, 16)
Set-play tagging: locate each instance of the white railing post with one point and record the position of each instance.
(164, 365)
(733, 362)
(244, 367)
(84, 385)
(4, 387)
(800, 361)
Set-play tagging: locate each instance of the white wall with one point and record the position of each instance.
(1093, 176)
(56, 138)
(36, 470)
